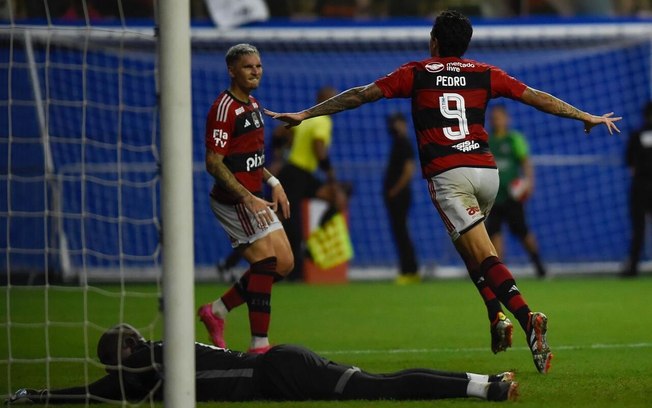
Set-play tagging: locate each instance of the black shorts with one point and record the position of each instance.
(294, 373)
(510, 212)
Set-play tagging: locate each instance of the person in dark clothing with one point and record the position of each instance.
(285, 373)
(398, 196)
(639, 160)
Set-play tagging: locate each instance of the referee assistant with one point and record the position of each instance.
(284, 373)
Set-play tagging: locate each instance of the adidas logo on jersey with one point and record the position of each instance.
(466, 146)
(512, 289)
(247, 123)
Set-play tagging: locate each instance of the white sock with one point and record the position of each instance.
(477, 389)
(477, 377)
(219, 309)
(258, 342)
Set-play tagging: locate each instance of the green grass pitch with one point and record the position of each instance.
(600, 329)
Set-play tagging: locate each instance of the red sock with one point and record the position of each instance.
(502, 283)
(259, 293)
(237, 294)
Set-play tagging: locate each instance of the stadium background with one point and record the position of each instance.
(579, 209)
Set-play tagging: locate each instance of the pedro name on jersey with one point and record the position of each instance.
(449, 100)
(235, 129)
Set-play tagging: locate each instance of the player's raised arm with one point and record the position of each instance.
(349, 99)
(545, 102)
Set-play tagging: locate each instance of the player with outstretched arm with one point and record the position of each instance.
(449, 98)
(135, 373)
(235, 157)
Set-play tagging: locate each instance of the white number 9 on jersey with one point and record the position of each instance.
(459, 113)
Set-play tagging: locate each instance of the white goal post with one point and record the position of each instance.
(177, 203)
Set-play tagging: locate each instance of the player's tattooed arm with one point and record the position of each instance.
(545, 102)
(550, 104)
(216, 168)
(349, 99)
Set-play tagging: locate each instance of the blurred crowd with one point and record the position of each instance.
(484, 8)
(309, 9)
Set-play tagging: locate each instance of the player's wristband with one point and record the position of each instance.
(273, 182)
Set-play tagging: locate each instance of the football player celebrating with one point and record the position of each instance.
(235, 156)
(135, 372)
(449, 98)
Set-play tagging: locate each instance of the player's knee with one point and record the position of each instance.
(284, 264)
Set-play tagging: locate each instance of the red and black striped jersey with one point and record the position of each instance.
(234, 129)
(449, 100)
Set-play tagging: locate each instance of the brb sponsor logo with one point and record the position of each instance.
(466, 146)
(255, 161)
(473, 210)
(220, 137)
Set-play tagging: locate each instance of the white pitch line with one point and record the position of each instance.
(596, 346)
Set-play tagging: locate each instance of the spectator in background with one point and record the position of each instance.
(309, 153)
(398, 196)
(516, 173)
(639, 160)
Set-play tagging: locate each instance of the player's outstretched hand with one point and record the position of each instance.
(291, 119)
(26, 396)
(608, 119)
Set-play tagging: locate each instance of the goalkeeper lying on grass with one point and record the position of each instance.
(135, 372)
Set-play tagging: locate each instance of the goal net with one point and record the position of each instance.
(79, 181)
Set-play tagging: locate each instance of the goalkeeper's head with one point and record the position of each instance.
(450, 35)
(117, 343)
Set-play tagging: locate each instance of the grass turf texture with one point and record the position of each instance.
(599, 329)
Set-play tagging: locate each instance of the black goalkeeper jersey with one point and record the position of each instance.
(285, 372)
(221, 375)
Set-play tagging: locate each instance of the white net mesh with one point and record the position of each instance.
(79, 154)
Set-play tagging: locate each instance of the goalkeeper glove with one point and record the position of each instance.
(27, 396)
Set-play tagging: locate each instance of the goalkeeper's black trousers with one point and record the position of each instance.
(295, 373)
